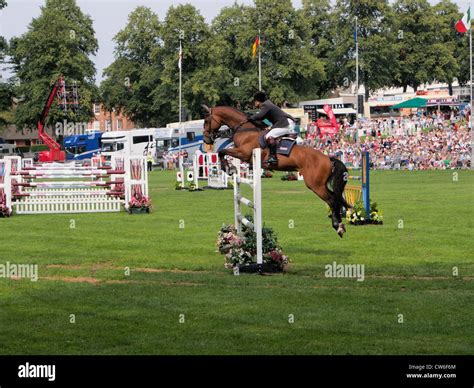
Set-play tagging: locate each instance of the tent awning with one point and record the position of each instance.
(341, 111)
(416, 102)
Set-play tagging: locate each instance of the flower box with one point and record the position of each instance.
(358, 215)
(4, 211)
(240, 250)
(289, 177)
(256, 268)
(135, 210)
(139, 204)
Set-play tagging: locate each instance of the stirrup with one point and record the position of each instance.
(272, 160)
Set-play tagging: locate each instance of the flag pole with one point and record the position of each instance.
(259, 63)
(180, 156)
(357, 82)
(470, 113)
(180, 83)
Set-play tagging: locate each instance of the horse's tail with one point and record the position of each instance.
(338, 181)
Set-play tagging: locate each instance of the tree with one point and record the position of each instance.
(182, 23)
(230, 60)
(290, 68)
(58, 42)
(452, 46)
(3, 42)
(377, 59)
(447, 66)
(5, 87)
(320, 29)
(127, 86)
(464, 61)
(5, 103)
(417, 54)
(3, 48)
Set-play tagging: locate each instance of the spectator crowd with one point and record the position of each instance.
(432, 142)
(419, 143)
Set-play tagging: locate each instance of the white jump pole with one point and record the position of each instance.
(256, 184)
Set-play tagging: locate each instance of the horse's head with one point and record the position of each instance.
(215, 118)
(212, 124)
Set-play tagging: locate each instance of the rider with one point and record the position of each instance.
(282, 123)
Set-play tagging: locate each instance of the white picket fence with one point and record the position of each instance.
(41, 189)
(68, 204)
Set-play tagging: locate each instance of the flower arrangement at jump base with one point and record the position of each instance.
(139, 204)
(291, 176)
(358, 215)
(240, 249)
(189, 186)
(5, 211)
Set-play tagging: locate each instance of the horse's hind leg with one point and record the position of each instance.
(321, 190)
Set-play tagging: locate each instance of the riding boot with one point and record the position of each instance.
(272, 159)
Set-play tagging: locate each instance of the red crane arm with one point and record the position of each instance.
(48, 140)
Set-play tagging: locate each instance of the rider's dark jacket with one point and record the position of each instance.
(269, 111)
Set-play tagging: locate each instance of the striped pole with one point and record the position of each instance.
(366, 182)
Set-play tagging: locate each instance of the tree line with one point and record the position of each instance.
(306, 53)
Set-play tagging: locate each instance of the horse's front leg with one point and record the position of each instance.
(223, 161)
(235, 153)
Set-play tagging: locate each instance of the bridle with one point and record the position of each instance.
(212, 135)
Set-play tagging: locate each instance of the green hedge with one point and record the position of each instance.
(24, 149)
(40, 147)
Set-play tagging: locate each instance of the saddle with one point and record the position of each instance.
(285, 143)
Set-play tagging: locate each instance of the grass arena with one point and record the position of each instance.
(116, 283)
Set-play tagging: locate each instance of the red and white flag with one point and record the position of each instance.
(464, 25)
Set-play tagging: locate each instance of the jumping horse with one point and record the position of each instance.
(323, 175)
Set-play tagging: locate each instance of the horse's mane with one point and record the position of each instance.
(231, 108)
(256, 128)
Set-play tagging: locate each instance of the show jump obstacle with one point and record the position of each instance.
(254, 180)
(71, 188)
(216, 177)
(204, 167)
(355, 193)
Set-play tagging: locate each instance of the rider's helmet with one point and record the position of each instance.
(260, 97)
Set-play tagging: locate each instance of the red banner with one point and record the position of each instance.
(332, 118)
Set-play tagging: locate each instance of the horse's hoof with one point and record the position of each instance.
(341, 230)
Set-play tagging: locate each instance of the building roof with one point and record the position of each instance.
(12, 133)
(416, 102)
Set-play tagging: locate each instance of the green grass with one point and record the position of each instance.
(177, 271)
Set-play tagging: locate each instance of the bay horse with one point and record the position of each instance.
(318, 170)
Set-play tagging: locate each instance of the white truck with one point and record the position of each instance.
(9, 150)
(135, 142)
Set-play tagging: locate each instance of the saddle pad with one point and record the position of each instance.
(285, 146)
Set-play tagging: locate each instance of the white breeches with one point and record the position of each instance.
(277, 132)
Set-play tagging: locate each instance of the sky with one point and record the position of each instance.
(110, 16)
